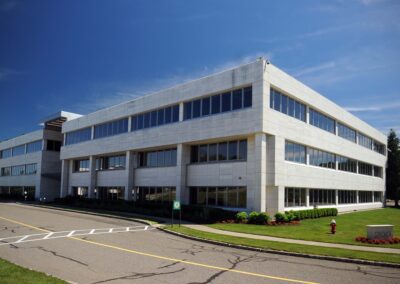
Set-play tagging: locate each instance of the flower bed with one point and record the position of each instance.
(394, 240)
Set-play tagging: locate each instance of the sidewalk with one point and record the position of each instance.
(292, 241)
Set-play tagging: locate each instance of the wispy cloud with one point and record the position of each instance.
(374, 107)
(316, 68)
(5, 73)
(8, 5)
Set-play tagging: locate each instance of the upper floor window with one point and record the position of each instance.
(364, 168)
(228, 101)
(295, 152)
(322, 121)
(6, 171)
(347, 132)
(6, 153)
(287, 105)
(18, 170)
(155, 118)
(34, 146)
(161, 158)
(111, 128)
(19, 150)
(379, 148)
(321, 158)
(81, 165)
(111, 163)
(78, 136)
(222, 151)
(364, 141)
(31, 169)
(378, 171)
(53, 145)
(347, 164)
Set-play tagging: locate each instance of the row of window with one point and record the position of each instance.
(154, 194)
(20, 170)
(228, 101)
(297, 153)
(78, 136)
(18, 192)
(293, 108)
(162, 158)
(110, 163)
(111, 128)
(155, 118)
(222, 151)
(234, 197)
(21, 149)
(296, 197)
(287, 105)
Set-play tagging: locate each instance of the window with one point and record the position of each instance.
(287, 105)
(81, 165)
(111, 193)
(19, 150)
(155, 118)
(18, 170)
(364, 141)
(322, 197)
(295, 197)
(80, 191)
(6, 171)
(233, 197)
(162, 158)
(30, 169)
(322, 121)
(347, 196)
(377, 196)
(111, 128)
(223, 151)
(225, 102)
(110, 163)
(156, 194)
(364, 169)
(379, 148)
(377, 171)
(295, 152)
(78, 136)
(6, 153)
(346, 164)
(34, 146)
(53, 145)
(321, 158)
(347, 132)
(365, 196)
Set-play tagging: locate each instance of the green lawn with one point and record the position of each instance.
(11, 273)
(349, 226)
(374, 256)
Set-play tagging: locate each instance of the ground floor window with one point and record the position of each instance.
(365, 196)
(322, 197)
(295, 197)
(111, 193)
(234, 197)
(377, 196)
(347, 196)
(29, 192)
(80, 191)
(154, 194)
(17, 192)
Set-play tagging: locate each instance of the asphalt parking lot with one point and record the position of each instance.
(82, 248)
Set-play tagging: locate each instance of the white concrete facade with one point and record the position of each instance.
(264, 173)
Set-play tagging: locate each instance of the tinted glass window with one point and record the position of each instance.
(212, 152)
(205, 107)
(233, 149)
(196, 108)
(237, 99)
(153, 118)
(226, 102)
(160, 117)
(247, 97)
(215, 104)
(175, 113)
(187, 110)
(168, 115)
(222, 151)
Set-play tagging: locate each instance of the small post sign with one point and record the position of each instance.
(176, 206)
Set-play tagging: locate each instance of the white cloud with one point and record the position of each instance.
(376, 107)
(5, 73)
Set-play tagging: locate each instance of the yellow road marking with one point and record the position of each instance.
(168, 258)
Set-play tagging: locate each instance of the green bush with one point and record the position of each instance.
(312, 213)
(262, 218)
(253, 217)
(241, 217)
(290, 216)
(280, 217)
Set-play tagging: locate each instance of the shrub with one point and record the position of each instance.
(312, 213)
(280, 217)
(262, 218)
(253, 217)
(241, 217)
(290, 216)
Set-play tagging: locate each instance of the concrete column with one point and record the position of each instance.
(357, 167)
(65, 167)
(336, 197)
(357, 197)
(307, 197)
(182, 159)
(93, 177)
(129, 123)
(92, 133)
(260, 172)
(307, 114)
(180, 111)
(373, 197)
(307, 156)
(130, 174)
(336, 128)
(276, 199)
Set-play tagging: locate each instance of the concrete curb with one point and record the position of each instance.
(296, 254)
(142, 221)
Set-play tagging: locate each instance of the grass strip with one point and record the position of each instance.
(314, 250)
(11, 273)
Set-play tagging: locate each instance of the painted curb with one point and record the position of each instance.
(296, 254)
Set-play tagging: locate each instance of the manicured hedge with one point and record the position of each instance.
(193, 213)
(313, 213)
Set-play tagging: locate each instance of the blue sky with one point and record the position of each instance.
(80, 56)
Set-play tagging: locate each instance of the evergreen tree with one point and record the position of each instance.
(393, 168)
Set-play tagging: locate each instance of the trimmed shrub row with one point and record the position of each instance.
(313, 213)
(257, 218)
(193, 213)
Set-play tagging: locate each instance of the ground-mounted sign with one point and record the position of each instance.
(382, 232)
(176, 206)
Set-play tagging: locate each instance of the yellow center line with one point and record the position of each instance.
(167, 258)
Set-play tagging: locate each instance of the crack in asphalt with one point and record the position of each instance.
(136, 275)
(62, 256)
